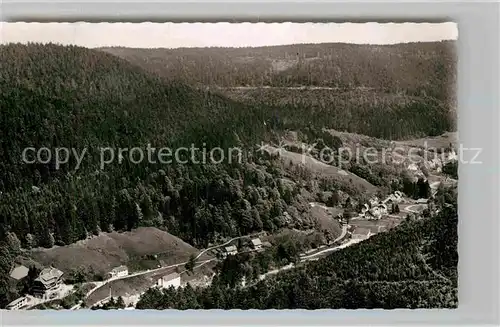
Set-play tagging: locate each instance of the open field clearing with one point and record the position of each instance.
(323, 169)
(326, 221)
(438, 142)
(102, 253)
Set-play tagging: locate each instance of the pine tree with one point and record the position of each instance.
(47, 239)
(191, 263)
(120, 304)
(30, 241)
(138, 216)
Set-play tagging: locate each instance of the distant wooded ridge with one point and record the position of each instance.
(415, 68)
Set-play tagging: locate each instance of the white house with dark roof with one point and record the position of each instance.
(19, 272)
(452, 156)
(382, 208)
(374, 201)
(412, 167)
(374, 213)
(230, 250)
(256, 244)
(120, 271)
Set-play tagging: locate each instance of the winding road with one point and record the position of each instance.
(410, 209)
(139, 273)
(310, 257)
(107, 298)
(226, 243)
(330, 249)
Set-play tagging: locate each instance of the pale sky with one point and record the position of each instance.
(174, 35)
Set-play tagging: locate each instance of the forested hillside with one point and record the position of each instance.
(413, 68)
(413, 266)
(376, 113)
(67, 96)
(55, 96)
(387, 91)
(74, 97)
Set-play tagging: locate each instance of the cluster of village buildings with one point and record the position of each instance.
(173, 279)
(435, 164)
(254, 245)
(50, 279)
(48, 282)
(376, 208)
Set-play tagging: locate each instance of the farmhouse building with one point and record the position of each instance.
(373, 201)
(374, 213)
(412, 167)
(230, 250)
(382, 209)
(452, 156)
(120, 271)
(256, 244)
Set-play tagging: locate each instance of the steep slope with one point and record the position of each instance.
(323, 170)
(75, 97)
(54, 96)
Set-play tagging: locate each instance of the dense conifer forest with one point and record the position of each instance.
(411, 68)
